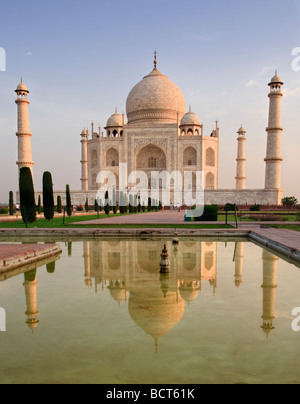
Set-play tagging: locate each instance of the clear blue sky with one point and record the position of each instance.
(80, 60)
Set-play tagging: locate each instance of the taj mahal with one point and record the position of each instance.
(159, 134)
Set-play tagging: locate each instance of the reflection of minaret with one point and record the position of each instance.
(269, 290)
(87, 263)
(32, 312)
(239, 258)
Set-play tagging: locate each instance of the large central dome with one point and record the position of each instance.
(155, 99)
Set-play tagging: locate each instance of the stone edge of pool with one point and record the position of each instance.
(19, 257)
(288, 246)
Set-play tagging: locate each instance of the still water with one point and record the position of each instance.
(102, 313)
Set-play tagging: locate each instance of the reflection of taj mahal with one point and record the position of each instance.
(129, 270)
(157, 303)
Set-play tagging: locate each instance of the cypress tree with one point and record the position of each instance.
(39, 205)
(48, 198)
(131, 207)
(106, 207)
(27, 201)
(135, 202)
(11, 203)
(51, 267)
(70, 248)
(68, 201)
(96, 206)
(149, 204)
(86, 205)
(59, 204)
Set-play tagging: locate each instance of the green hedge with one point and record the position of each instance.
(210, 214)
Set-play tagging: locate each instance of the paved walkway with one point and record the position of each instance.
(167, 217)
(281, 236)
(283, 241)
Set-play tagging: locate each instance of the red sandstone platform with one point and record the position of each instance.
(13, 256)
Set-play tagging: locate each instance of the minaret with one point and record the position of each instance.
(32, 312)
(23, 133)
(269, 290)
(274, 130)
(241, 160)
(239, 258)
(84, 161)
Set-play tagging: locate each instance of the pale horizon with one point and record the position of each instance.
(80, 61)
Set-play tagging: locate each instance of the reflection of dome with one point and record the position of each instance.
(155, 98)
(118, 291)
(190, 119)
(154, 313)
(189, 291)
(114, 121)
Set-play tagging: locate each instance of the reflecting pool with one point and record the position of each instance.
(102, 313)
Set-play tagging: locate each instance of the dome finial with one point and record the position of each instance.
(155, 60)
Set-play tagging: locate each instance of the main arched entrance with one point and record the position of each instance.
(151, 158)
